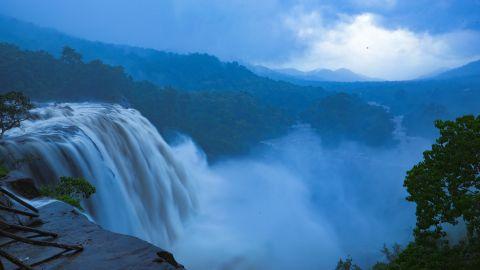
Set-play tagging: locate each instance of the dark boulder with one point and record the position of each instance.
(21, 185)
(165, 256)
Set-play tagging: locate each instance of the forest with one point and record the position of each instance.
(221, 122)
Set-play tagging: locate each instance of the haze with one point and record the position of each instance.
(386, 39)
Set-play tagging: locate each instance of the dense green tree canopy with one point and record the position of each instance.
(70, 56)
(222, 122)
(446, 184)
(346, 117)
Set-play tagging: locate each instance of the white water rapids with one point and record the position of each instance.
(291, 205)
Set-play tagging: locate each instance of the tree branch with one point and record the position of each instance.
(40, 243)
(16, 211)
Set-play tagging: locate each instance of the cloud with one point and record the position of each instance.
(420, 36)
(362, 44)
(374, 3)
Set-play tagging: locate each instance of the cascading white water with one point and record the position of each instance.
(292, 205)
(141, 189)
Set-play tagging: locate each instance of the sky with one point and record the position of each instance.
(389, 39)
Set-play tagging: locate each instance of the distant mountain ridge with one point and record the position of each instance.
(471, 69)
(189, 72)
(160, 67)
(231, 82)
(432, 74)
(295, 75)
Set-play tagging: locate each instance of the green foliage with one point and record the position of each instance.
(43, 77)
(453, 97)
(346, 117)
(3, 170)
(446, 184)
(232, 110)
(14, 108)
(191, 72)
(70, 190)
(70, 56)
(446, 188)
(391, 255)
(436, 255)
(221, 122)
(70, 200)
(347, 265)
(200, 72)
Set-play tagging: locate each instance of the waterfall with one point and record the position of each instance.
(142, 190)
(282, 207)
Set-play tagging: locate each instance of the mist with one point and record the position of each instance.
(294, 204)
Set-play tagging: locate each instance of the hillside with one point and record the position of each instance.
(222, 122)
(471, 69)
(206, 92)
(185, 72)
(419, 101)
(290, 94)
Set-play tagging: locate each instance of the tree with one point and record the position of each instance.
(347, 117)
(14, 108)
(347, 265)
(70, 56)
(446, 184)
(446, 188)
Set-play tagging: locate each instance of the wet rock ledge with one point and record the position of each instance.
(102, 249)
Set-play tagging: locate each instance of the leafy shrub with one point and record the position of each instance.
(70, 190)
(3, 171)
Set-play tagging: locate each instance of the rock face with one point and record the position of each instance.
(101, 249)
(21, 185)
